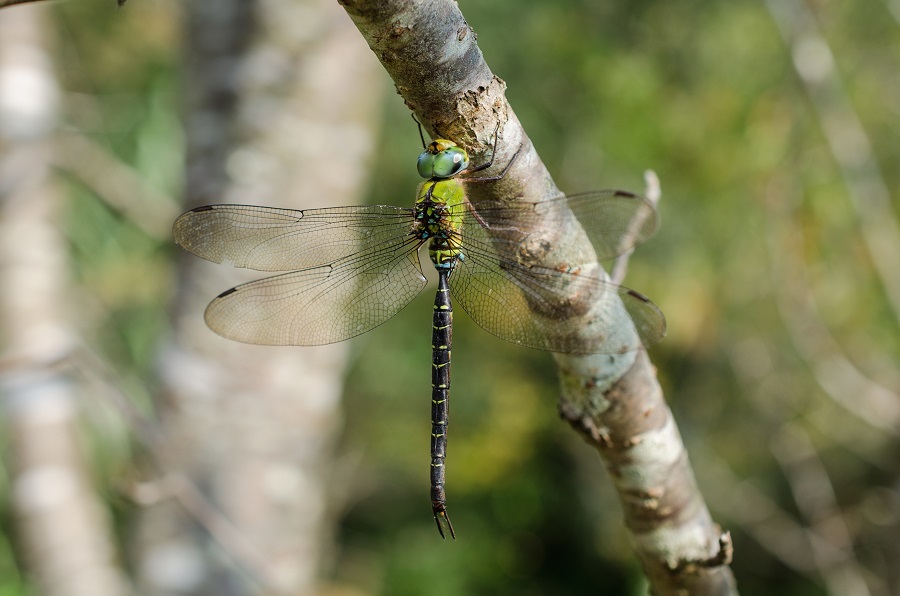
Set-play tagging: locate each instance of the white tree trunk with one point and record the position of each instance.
(62, 525)
(282, 101)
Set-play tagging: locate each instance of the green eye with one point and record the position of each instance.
(425, 165)
(450, 162)
(444, 163)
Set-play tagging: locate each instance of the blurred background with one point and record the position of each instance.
(143, 454)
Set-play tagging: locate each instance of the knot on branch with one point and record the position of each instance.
(721, 558)
(585, 426)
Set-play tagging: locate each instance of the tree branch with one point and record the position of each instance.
(5, 3)
(614, 401)
(653, 192)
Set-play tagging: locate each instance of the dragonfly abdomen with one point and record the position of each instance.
(441, 339)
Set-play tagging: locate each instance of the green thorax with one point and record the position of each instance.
(440, 201)
(440, 205)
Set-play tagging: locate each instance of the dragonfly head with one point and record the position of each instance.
(442, 159)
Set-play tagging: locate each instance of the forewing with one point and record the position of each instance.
(272, 239)
(321, 305)
(615, 221)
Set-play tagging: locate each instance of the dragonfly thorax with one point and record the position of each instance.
(439, 209)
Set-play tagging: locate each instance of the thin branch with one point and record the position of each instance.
(805, 550)
(614, 401)
(83, 363)
(846, 136)
(248, 559)
(893, 7)
(759, 515)
(119, 185)
(816, 500)
(107, 382)
(653, 193)
(838, 377)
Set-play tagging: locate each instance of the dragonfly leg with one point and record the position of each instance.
(419, 124)
(489, 164)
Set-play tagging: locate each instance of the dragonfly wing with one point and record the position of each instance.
(576, 312)
(321, 305)
(615, 221)
(272, 239)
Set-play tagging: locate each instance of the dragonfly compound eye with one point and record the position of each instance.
(442, 161)
(450, 162)
(425, 165)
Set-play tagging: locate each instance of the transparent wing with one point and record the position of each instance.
(321, 305)
(615, 221)
(271, 239)
(545, 308)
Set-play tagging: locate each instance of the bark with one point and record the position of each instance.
(281, 105)
(5, 3)
(62, 526)
(613, 401)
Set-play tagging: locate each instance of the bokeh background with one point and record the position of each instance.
(774, 128)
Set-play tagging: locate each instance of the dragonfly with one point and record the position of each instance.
(347, 270)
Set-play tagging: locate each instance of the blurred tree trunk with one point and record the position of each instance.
(280, 110)
(61, 525)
